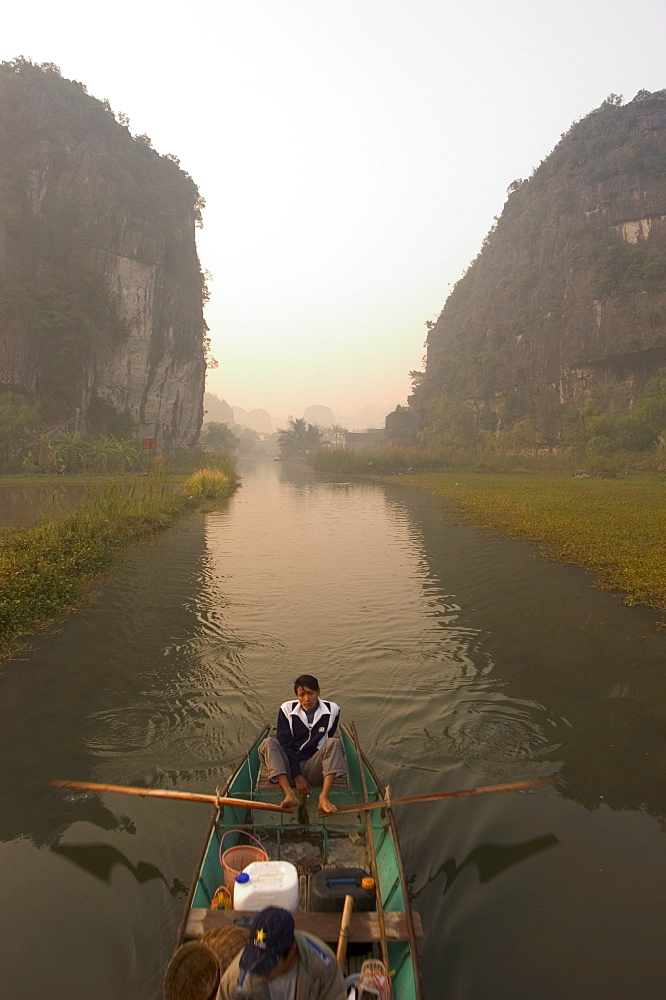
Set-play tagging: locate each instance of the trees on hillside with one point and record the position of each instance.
(219, 437)
(599, 433)
(453, 425)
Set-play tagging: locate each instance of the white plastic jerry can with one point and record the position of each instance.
(267, 883)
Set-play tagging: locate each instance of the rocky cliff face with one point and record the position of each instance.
(568, 295)
(100, 285)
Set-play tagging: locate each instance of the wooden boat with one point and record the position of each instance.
(366, 839)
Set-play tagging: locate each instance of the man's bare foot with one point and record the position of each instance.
(325, 805)
(289, 802)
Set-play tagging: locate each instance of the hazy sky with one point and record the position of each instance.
(352, 154)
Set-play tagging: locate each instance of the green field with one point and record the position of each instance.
(616, 527)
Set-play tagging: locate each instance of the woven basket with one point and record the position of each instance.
(192, 974)
(235, 859)
(225, 943)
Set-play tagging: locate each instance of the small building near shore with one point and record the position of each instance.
(365, 440)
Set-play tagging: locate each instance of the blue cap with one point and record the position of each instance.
(271, 935)
(243, 877)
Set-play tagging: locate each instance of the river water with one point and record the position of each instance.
(463, 658)
(21, 506)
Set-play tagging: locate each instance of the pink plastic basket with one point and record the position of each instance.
(235, 859)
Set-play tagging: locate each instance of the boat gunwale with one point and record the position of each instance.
(381, 788)
(210, 830)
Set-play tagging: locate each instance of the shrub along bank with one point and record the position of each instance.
(616, 527)
(394, 459)
(45, 570)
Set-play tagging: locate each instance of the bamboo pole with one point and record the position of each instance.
(515, 786)
(344, 930)
(166, 793)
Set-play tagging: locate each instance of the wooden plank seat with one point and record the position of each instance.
(364, 926)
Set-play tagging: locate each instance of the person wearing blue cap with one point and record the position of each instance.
(281, 963)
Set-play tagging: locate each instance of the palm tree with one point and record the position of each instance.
(127, 453)
(71, 445)
(46, 451)
(102, 449)
(313, 438)
(299, 439)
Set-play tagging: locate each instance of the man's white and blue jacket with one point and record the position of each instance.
(300, 739)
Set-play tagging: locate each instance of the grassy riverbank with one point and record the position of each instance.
(46, 570)
(616, 527)
(93, 480)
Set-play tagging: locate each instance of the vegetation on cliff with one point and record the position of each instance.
(595, 441)
(77, 193)
(567, 297)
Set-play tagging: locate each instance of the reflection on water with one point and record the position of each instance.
(491, 860)
(21, 506)
(464, 659)
(101, 859)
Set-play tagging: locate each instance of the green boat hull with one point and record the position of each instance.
(375, 829)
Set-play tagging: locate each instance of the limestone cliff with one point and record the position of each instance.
(100, 285)
(568, 294)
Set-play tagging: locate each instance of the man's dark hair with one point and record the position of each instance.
(306, 681)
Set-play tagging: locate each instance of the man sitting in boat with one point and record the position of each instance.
(281, 962)
(303, 752)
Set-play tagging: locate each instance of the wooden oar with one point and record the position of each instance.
(344, 930)
(165, 793)
(515, 786)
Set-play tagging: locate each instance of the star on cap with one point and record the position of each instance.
(260, 935)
